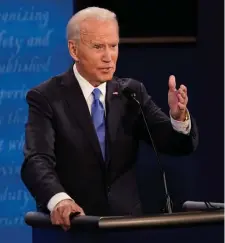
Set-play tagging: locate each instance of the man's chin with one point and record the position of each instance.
(105, 78)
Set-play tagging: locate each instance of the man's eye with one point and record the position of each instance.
(97, 46)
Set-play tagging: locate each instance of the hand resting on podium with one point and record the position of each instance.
(63, 211)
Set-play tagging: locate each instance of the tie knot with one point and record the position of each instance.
(96, 93)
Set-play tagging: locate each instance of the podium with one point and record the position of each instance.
(198, 226)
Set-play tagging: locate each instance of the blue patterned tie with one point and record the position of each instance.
(98, 117)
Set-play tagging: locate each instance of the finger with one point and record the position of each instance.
(180, 99)
(77, 209)
(172, 83)
(184, 99)
(181, 106)
(60, 211)
(184, 88)
(81, 211)
(54, 218)
(183, 94)
(66, 217)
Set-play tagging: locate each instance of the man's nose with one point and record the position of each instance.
(107, 57)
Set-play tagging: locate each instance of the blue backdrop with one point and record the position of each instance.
(32, 48)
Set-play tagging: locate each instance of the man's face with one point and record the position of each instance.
(97, 50)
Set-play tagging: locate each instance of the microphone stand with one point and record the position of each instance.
(168, 199)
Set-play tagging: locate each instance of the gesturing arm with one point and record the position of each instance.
(168, 140)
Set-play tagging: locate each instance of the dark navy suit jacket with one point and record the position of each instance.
(62, 153)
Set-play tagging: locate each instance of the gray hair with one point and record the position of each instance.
(73, 26)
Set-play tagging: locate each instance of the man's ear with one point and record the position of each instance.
(72, 46)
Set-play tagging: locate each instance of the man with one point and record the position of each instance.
(82, 133)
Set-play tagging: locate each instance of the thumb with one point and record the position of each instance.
(82, 212)
(172, 83)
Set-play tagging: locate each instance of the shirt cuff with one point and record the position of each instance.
(181, 126)
(56, 199)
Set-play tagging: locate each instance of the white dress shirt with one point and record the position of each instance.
(87, 88)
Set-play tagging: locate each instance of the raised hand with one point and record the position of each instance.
(177, 100)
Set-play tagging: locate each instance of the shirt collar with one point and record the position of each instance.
(86, 87)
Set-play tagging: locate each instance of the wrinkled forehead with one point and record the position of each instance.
(99, 30)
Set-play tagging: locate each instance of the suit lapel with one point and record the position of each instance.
(114, 109)
(79, 111)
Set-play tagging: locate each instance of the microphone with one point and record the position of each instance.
(202, 205)
(130, 94)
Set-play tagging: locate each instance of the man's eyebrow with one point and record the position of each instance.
(97, 43)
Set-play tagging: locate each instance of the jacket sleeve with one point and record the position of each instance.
(166, 139)
(38, 169)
